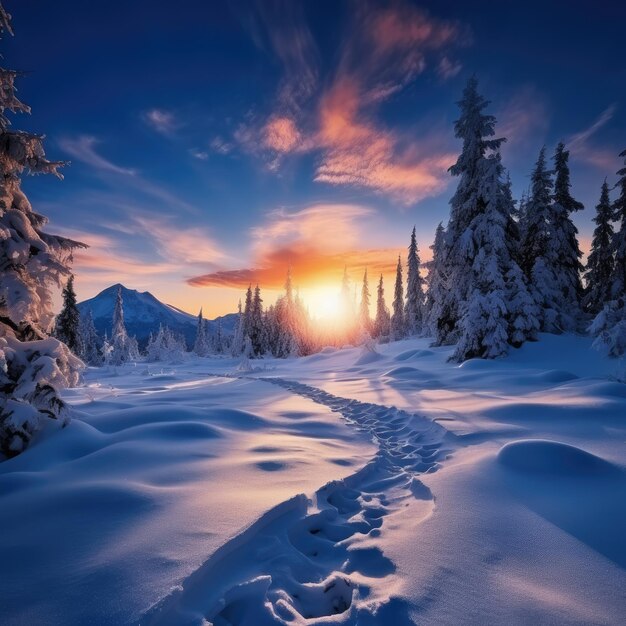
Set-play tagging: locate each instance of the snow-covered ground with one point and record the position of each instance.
(488, 493)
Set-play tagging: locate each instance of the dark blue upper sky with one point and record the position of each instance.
(226, 140)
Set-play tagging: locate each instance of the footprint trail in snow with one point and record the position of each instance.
(317, 561)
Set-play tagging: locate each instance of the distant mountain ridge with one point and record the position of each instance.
(143, 314)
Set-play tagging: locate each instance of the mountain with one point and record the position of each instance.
(143, 314)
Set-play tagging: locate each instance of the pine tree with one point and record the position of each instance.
(200, 346)
(382, 321)
(569, 267)
(123, 349)
(32, 365)
(237, 346)
(166, 347)
(498, 310)
(539, 250)
(247, 314)
(474, 128)
(600, 264)
(437, 301)
(398, 326)
(364, 310)
(219, 338)
(618, 281)
(89, 340)
(415, 300)
(256, 324)
(67, 327)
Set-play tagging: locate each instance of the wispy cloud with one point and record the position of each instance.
(358, 152)
(201, 155)
(582, 149)
(179, 245)
(383, 51)
(523, 119)
(83, 148)
(221, 146)
(164, 122)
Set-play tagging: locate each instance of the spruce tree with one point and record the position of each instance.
(540, 250)
(364, 311)
(89, 340)
(600, 264)
(618, 281)
(439, 318)
(247, 314)
(415, 302)
(200, 346)
(569, 267)
(382, 321)
(236, 347)
(398, 326)
(256, 323)
(32, 262)
(475, 129)
(67, 327)
(498, 310)
(123, 349)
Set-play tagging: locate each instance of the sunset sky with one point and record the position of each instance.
(215, 144)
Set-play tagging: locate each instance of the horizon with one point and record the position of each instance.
(282, 140)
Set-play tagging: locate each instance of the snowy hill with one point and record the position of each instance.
(144, 313)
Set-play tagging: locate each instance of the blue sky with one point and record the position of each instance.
(214, 143)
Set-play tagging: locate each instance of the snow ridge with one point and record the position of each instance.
(318, 560)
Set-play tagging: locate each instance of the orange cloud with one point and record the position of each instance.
(309, 267)
(360, 153)
(281, 134)
(384, 50)
(316, 242)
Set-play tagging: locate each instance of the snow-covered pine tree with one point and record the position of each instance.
(438, 317)
(382, 321)
(166, 347)
(569, 267)
(539, 252)
(236, 347)
(398, 325)
(474, 128)
(67, 325)
(219, 337)
(256, 324)
(498, 309)
(609, 326)
(600, 264)
(89, 340)
(364, 309)
(124, 349)
(33, 366)
(247, 314)
(618, 280)
(200, 346)
(415, 311)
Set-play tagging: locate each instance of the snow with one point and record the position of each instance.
(348, 487)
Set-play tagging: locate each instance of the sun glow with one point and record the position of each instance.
(324, 303)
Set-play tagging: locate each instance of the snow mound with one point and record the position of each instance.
(552, 457)
(555, 376)
(412, 354)
(368, 356)
(404, 372)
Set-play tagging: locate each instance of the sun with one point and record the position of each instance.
(324, 303)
